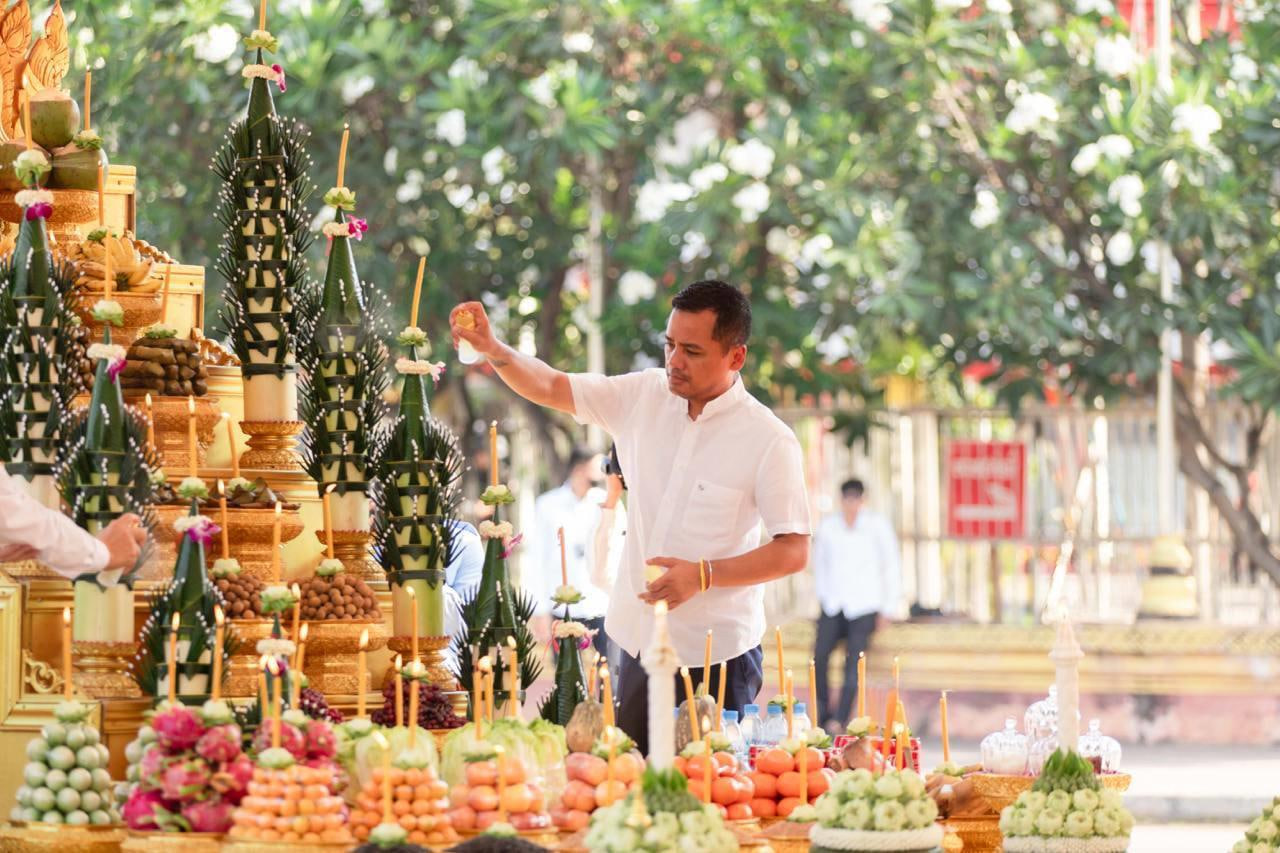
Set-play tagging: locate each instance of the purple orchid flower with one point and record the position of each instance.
(203, 531)
(357, 227)
(40, 210)
(511, 546)
(280, 81)
(115, 368)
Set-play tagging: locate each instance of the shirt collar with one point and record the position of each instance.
(736, 394)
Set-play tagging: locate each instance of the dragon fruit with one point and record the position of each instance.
(241, 772)
(291, 738)
(211, 815)
(177, 728)
(184, 781)
(321, 742)
(219, 744)
(140, 810)
(154, 762)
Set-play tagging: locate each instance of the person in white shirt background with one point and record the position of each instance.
(575, 506)
(29, 530)
(707, 465)
(857, 571)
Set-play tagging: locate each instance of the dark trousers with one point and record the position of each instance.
(744, 676)
(832, 631)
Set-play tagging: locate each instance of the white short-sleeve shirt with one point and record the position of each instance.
(697, 490)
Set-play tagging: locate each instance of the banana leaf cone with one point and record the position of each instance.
(570, 685)
(260, 112)
(343, 303)
(33, 278)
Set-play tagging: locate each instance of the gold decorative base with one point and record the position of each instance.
(978, 834)
(70, 208)
(432, 650)
(101, 669)
(332, 649)
(273, 445)
(291, 846)
(351, 548)
(28, 570)
(140, 311)
(999, 790)
(171, 418)
(249, 531)
(242, 671)
(172, 842)
(22, 837)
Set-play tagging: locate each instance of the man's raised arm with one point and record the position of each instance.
(530, 377)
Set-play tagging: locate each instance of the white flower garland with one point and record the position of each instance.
(329, 567)
(336, 229)
(565, 630)
(410, 367)
(187, 522)
(26, 198)
(111, 352)
(108, 311)
(501, 530)
(224, 566)
(262, 72)
(276, 648)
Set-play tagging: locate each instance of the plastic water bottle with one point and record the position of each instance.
(802, 723)
(775, 727)
(752, 725)
(729, 726)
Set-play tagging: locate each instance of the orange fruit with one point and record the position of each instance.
(413, 776)
(789, 784)
(775, 762)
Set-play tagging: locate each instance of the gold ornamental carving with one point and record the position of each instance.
(332, 649)
(273, 445)
(433, 658)
(24, 64)
(351, 548)
(171, 419)
(38, 675)
(242, 671)
(249, 530)
(29, 570)
(102, 669)
(21, 837)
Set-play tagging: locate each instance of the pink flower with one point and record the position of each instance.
(203, 530)
(219, 744)
(39, 210)
(512, 544)
(116, 367)
(177, 728)
(185, 781)
(279, 69)
(140, 809)
(357, 227)
(211, 815)
(321, 742)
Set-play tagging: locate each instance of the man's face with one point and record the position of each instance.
(698, 366)
(851, 504)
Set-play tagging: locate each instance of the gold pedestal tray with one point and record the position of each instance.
(273, 445)
(21, 837)
(70, 208)
(140, 311)
(171, 419)
(351, 548)
(30, 570)
(978, 834)
(432, 650)
(102, 669)
(242, 670)
(249, 530)
(245, 846)
(332, 649)
(172, 842)
(999, 790)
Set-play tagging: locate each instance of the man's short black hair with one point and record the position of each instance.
(732, 310)
(852, 488)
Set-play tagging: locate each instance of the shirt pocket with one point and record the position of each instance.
(713, 508)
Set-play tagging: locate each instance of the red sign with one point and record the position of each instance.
(986, 489)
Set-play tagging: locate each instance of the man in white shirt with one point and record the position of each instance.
(574, 506)
(706, 465)
(29, 530)
(858, 576)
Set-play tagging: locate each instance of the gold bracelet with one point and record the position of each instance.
(702, 576)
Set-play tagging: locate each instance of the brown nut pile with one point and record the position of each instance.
(338, 597)
(79, 359)
(240, 595)
(167, 366)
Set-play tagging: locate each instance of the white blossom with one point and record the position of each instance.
(460, 195)
(873, 14)
(1243, 68)
(1126, 193)
(752, 200)
(1114, 55)
(543, 89)
(217, 44)
(752, 158)
(1198, 121)
(690, 135)
(492, 165)
(1120, 248)
(635, 286)
(999, 7)
(705, 177)
(1086, 159)
(355, 88)
(1115, 147)
(467, 70)
(1032, 111)
(816, 251)
(986, 209)
(565, 630)
(695, 246)
(1094, 7)
(580, 42)
(1150, 252)
(955, 5)
(451, 126)
(656, 195)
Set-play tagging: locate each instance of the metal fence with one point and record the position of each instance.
(1091, 478)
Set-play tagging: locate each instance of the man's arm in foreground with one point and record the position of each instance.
(784, 555)
(530, 377)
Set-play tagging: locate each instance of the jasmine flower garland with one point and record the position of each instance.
(193, 487)
(412, 336)
(410, 367)
(87, 140)
(111, 352)
(108, 311)
(329, 567)
(501, 530)
(497, 495)
(278, 648)
(29, 198)
(340, 198)
(262, 40)
(30, 166)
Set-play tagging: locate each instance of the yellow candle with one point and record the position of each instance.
(231, 438)
(862, 684)
(693, 710)
(328, 528)
(946, 739)
(489, 690)
(564, 563)
(902, 747)
(342, 154)
(789, 697)
(363, 669)
(813, 692)
(413, 600)
(607, 681)
(399, 692)
(477, 691)
(164, 309)
(591, 673)
(102, 189)
(26, 115)
(414, 694)
(297, 614)
(108, 278)
(493, 453)
(720, 696)
(417, 291)
(299, 666)
(706, 663)
(608, 778)
(897, 677)
(191, 436)
(173, 657)
(804, 774)
(777, 637)
(151, 424)
(275, 546)
(88, 97)
(218, 635)
(706, 766)
(513, 670)
(502, 783)
(276, 699)
(222, 513)
(890, 714)
(262, 14)
(386, 776)
(67, 686)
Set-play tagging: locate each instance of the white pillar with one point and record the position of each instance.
(660, 665)
(1066, 657)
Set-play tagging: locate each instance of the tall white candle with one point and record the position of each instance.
(660, 663)
(1066, 657)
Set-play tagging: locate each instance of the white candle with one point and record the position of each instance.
(660, 665)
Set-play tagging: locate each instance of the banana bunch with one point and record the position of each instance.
(130, 268)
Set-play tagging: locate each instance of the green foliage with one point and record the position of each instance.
(1066, 771)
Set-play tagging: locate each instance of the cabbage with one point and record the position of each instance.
(361, 757)
(536, 745)
(552, 749)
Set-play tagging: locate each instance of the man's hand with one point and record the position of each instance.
(679, 583)
(17, 553)
(470, 322)
(124, 538)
